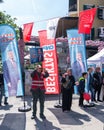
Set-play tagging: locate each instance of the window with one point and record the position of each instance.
(91, 35)
(85, 7)
(101, 32)
(100, 12)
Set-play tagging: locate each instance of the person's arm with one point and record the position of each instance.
(45, 73)
(32, 74)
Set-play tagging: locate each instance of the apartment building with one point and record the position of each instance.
(75, 6)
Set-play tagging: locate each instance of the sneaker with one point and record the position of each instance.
(33, 117)
(100, 101)
(6, 103)
(42, 116)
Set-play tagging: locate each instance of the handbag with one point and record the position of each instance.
(86, 96)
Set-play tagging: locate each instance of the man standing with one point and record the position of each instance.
(2, 91)
(98, 77)
(38, 90)
(90, 83)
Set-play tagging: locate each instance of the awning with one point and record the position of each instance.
(64, 24)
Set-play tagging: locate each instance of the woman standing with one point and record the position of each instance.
(68, 82)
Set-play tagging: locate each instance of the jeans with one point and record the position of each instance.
(38, 94)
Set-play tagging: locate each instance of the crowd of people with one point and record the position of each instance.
(91, 83)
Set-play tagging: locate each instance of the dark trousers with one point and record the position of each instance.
(2, 94)
(38, 94)
(92, 91)
(66, 99)
(81, 99)
(97, 91)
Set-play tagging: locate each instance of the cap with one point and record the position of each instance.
(39, 66)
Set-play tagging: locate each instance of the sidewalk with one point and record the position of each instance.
(77, 119)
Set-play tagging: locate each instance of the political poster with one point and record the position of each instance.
(36, 55)
(10, 61)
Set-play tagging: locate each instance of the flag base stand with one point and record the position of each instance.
(58, 105)
(24, 108)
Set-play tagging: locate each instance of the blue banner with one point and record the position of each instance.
(10, 60)
(36, 55)
(77, 53)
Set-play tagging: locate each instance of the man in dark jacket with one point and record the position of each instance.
(99, 81)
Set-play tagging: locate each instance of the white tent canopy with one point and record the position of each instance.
(97, 58)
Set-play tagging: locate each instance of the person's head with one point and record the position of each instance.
(39, 51)
(69, 71)
(10, 54)
(39, 68)
(84, 74)
(79, 56)
(97, 69)
(90, 70)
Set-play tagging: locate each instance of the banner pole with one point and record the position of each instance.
(24, 108)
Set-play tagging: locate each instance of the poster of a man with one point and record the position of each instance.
(36, 55)
(78, 66)
(11, 73)
(40, 54)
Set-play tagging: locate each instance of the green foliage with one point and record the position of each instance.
(7, 19)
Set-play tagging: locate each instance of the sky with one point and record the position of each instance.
(37, 11)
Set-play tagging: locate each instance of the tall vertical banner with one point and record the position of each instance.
(10, 60)
(52, 28)
(76, 44)
(86, 19)
(27, 31)
(50, 63)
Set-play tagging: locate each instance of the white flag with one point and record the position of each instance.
(51, 28)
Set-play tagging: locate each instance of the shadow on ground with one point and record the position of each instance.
(14, 121)
(44, 125)
(70, 118)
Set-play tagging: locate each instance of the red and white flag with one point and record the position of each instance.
(50, 63)
(27, 31)
(52, 28)
(86, 19)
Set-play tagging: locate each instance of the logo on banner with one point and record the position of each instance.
(48, 47)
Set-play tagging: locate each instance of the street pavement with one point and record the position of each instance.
(90, 118)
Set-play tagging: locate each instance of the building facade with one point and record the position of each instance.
(75, 6)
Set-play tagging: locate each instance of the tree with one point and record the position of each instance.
(1, 1)
(7, 19)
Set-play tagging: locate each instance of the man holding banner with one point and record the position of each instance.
(38, 90)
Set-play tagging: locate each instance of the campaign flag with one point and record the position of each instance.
(77, 51)
(52, 28)
(27, 31)
(50, 63)
(10, 60)
(36, 55)
(86, 19)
